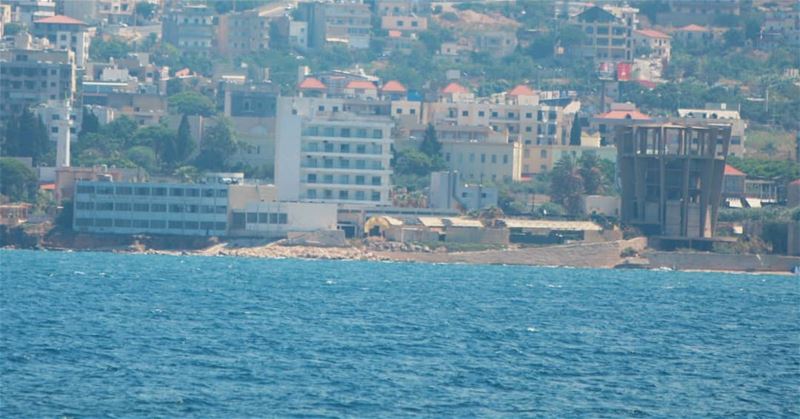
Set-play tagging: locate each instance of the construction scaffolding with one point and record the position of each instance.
(671, 178)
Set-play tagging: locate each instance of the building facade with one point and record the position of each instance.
(190, 28)
(332, 156)
(65, 32)
(609, 33)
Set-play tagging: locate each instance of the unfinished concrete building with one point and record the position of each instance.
(671, 180)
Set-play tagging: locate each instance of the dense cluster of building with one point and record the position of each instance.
(330, 143)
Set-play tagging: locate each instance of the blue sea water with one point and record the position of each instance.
(94, 334)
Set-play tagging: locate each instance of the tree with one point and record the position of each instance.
(102, 50)
(187, 174)
(184, 144)
(192, 103)
(145, 9)
(11, 29)
(575, 131)
(219, 144)
(17, 181)
(734, 38)
(430, 143)
(143, 157)
(566, 185)
(121, 128)
(414, 162)
(592, 174)
(160, 139)
(89, 122)
(26, 136)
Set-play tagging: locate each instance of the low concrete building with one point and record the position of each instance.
(278, 219)
(551, 231)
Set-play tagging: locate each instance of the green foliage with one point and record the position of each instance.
(191, 103)
(734, 38)
(64, 217)
(781, 170)
(17, 181)
(189, 174)
(651, 8)
(89, 122)
(430, 143)
(184, 144)
(566, 185)
(102, 50)
(218, 145)
(25, 135)
(145, 9)
(594, 180)
(415, 162)
(575, 131)
(143, 157)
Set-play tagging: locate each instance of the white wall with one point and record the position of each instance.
(288, 129)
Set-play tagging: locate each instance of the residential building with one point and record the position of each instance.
(241, 33)
(609, 33)
(494, 159)
(733, 185)
(201, 209)
(493, 33)
(404, 24)
(782, 27)
(251, 109)
(685, 12)
(30, 76)
(5, 16)
(116, 11)
(313, 14)
(718, 113)
(325, 155)
(620, 114)
(657, 43)
(28, 11)
(448, 191)
(403, 7)
(58, 118)
(190, 28)
(695, 35)
(538, 159)
(348, 23)
(65, 32)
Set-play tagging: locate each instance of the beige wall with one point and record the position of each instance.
(483, 162)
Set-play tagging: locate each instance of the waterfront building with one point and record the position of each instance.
(201, 209)
(332, 155)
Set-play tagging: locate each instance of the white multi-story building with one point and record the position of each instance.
(335, 157)
(65, 32)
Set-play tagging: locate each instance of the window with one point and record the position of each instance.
(472, 157)
(105, 190)
(158, 208)
(122, 223)
(158, 224)
(175, 225)
(159, 191)
(481, 113)
(208, 193)
(176, 208)
(327, 194)
(483, 158)
(376, 180)
(464, 113)
(85, 189)
(529, 115)
(359, 180)
(104, 206)
(283, 218)
(124, 190)
(311, 194)
(103, 222)
(221, 209)
(494, 158)
(141, 207)
(142, 191)
(312, 178)
(252, 217)
(84, 205)
(543, 154)
(505, 158)
(122, 206)
(375, 196)
(222, 193)
(360, 195)
(376, 133)
(193, 192)
(344, 195)
(273, 218)
(176, 192)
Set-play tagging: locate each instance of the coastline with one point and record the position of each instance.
(604, 255)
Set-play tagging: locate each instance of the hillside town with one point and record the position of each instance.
(651, 133)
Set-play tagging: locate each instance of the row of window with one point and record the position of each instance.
(154, 191)
(267, 218)
(343, 195)
(150, 224)
(342, 132)
(342, 179)
(472, 158)
(145, 207)
(551, 115)
(341, 163)
(343, 148)
(29, 71)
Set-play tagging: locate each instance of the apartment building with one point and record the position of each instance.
(330, 156)
(31, 76)
(5, 16)
(403, 7)
(657, 42)
(686, 12)
(348, 23)
(609, 33)
(60, 120)
(541, 159)
(241, 33)
(28, 11)
(190, 28)
(251, 109)
(201, 209)
(65, 32)
(719, 113)
(483, 161)
(404, 24)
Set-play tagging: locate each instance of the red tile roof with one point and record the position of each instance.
(634, 115)
(183, 73)
(795, 182)
(647, 83)
(454, 88)
(394, 86)
(732, 171)
(395, 34)
(310, 83)
(521, 90)
(361, 84)
(693, 28)
(59, 19)
(47, 186)
(651, 33)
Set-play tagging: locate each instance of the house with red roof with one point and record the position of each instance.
(312, 87)
(733, 185)
(455, 92)
(522, 95)
(656, 42)
(620, 114)
(64, 32)
(363, 89)
(394, 90)
(695, 35)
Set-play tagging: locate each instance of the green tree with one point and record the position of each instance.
(17, 181)
(143, 157)
(184, 144)
(188, 174)
(11, 29)
(121, 128)
(26, 136)
(591, 172)
(734, 38)
(415, 162)
(145, 10)
(575, 131)
(89, 122)
(102, 50)
(160, 139)
(430, 143)
(192, 103)
(566, 185)
(218, 145)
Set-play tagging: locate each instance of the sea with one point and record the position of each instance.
(132, 335)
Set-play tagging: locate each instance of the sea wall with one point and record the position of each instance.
(600, 255)
(722, 262)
